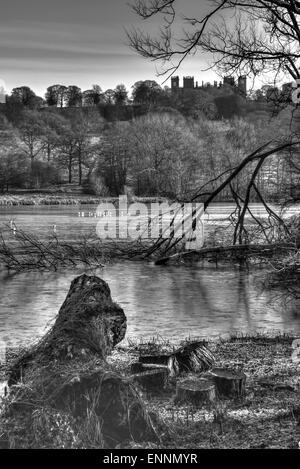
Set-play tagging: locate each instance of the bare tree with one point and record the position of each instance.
(12, 164)
(251, 37)
(31, 130)
(264, 35)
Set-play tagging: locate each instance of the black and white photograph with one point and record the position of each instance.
(149, 227)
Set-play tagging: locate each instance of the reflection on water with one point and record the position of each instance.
(171, 301)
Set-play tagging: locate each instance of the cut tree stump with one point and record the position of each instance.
(138, 367)
(152, 381)
(228, 383)
(155, 358)
(195, 392)
(66, 374)
(193, 357)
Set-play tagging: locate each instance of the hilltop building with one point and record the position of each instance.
(189, 84)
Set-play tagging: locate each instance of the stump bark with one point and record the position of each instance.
(89, 323)
(228, 383)
(195, 392)
(67, 372)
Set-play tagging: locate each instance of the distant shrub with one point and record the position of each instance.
(94, 185)
(44, 174)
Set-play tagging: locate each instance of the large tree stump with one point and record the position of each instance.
(195, 392)
(152, 381)
(89, 323)
(66, 373)
(228, 383)
(192, 357)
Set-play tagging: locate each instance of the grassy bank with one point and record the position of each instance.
(62, 198)
(47, 199)
(268, 416)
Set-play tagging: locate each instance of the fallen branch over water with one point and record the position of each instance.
(253, 162)
(262, 250)
(23, 251)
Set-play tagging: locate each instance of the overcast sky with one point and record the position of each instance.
(76, 42)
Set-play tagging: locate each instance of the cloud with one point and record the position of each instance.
(73, 42)
(34, 40)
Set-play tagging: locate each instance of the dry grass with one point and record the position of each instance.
(269, 415)
(47, 199)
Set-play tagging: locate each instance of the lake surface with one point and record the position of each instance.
(171, 301)
(72, 222)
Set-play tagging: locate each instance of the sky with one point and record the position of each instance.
(72, 42)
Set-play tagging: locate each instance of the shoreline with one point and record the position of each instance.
(63, 199)
(41, 199)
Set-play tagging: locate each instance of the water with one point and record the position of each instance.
(66, 222)
(171, 301)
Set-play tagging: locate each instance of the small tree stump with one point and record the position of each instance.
(138, 367)
(229, 383)
(155, 358)
(153, 381)
(195, 392)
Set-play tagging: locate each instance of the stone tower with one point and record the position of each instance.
(188, 83)
(242, 85)
(174, 83)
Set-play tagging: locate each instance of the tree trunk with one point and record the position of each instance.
(70, 169)
(66, 375)
(31, 170)
(88, 323)
(79, 167)
(48, 152)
